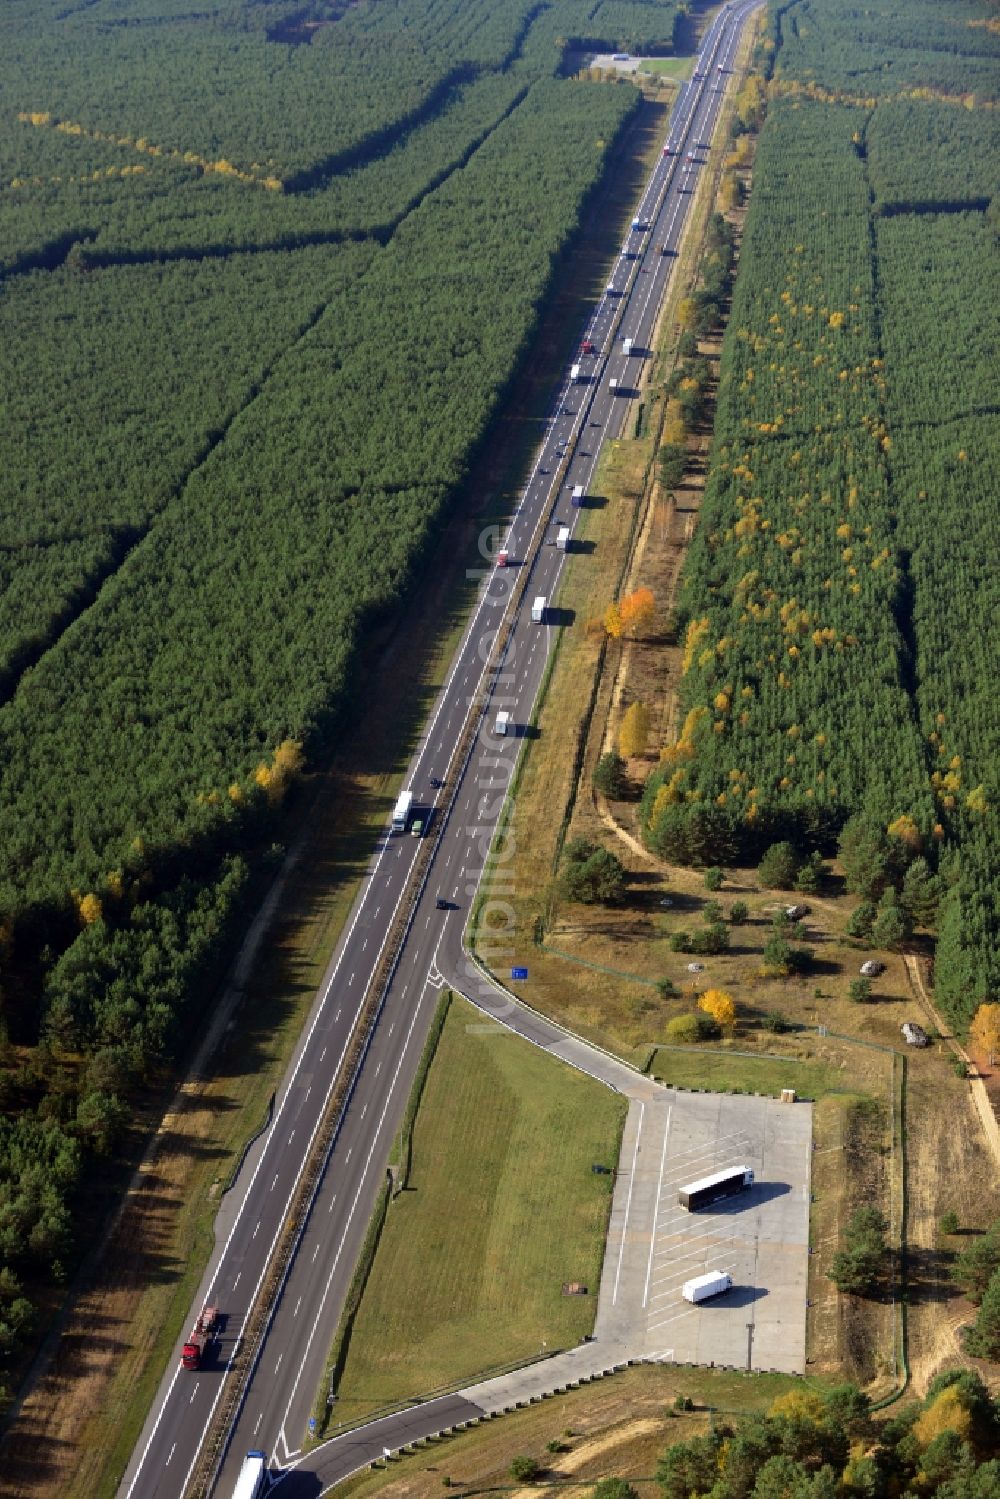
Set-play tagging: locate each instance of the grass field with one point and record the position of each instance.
(501, 1209)
(722, 1072)
(667, 67)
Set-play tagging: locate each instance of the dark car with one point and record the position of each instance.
(442, 904)
(436, 783)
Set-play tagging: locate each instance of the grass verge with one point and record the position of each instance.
(616, 1427)
(723, 1072)
(501, 1209)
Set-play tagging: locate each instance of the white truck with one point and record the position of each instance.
(704, 1286)
(401, 811)
(502, 723)
(538, 610)
(637, 223)
(576, 499)
(574, 373)
(254, 1478)
(627, 347)
(562, 538)
(613, 386)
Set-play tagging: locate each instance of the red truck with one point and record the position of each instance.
(201, 1335)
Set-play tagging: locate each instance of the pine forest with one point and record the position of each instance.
(839, 600)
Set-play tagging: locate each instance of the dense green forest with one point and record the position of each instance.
(267, 271)
(839, 598)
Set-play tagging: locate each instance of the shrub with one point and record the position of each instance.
(710, 939)
(713, 878)
(775, 1022)
(591, 874)
(948, 1223)
(666, 989)
(525, 1469)
(779, 867)
(858, 1267)
(680, 942)
(862, 919)
(860, 991)
(609, 776)
(712, 911)
(892, 926)
(684, 1030)
(739, 913)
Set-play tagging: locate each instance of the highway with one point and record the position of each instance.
(464, 801)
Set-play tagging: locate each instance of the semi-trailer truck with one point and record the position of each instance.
(401, 811)
(704, 1286)
(627, 347)
(254, 1478)
(200, 1336)
(502, 722)
(577, 496)
(538, 610)
(709, 1189)
(562, 538)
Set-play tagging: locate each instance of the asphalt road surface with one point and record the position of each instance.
(275, 1413)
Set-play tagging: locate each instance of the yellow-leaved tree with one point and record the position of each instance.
(985, 1030)
(613, 623)
(946, 1413)
(634, 731)
(286, 764)
(638, 611)
(90, 909)
(720, 1005)
(798, 1405)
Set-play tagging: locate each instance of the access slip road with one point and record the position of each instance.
(275, 1411)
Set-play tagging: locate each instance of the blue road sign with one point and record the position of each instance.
(519, 973)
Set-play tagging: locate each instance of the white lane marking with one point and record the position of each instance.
(659, 1189)
(317, 1318)
(170, 1455)
(628, 1201)
(237, 1280)
(195, 1391)
(315, 1253)
(256, 1227)
(275, 1182)
(297, 1305)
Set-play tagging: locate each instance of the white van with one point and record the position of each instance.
(502, 723)
(627, 347)
(538, 610)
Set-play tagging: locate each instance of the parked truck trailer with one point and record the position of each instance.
(709, 1189)
(704, 1286)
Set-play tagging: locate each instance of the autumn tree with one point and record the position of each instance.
(634, 731)
(90, 909)
(638, 611)
(719, 1004)
(984, 1031)
(613, 624)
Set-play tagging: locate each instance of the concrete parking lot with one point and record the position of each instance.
(760, 1236)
